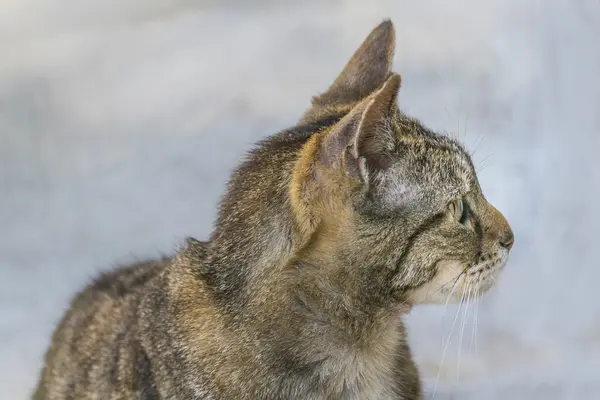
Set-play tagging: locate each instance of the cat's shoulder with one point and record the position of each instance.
(129, 278)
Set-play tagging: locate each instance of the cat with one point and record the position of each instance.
(328, 233)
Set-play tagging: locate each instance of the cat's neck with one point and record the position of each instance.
(254, 229)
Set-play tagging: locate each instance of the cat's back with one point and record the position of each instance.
(98, 334)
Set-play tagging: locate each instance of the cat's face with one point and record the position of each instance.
(427, 214)
(398, 203)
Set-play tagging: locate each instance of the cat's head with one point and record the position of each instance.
(386, 199)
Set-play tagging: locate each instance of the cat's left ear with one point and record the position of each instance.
(365, 72)
(364, 140)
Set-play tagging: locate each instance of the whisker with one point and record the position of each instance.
(477, 316)
(437, 380)
(462, 331)
(481, 163)
(480, 169)
(476, 145)
(450, 295)
(486, 158)
(475, 312)
(493, 279)
(448, 112)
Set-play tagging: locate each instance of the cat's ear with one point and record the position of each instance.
(366, 71)
(364, 140)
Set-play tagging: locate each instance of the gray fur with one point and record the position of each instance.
(329, 232)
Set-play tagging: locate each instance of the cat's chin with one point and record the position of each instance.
(455, 284)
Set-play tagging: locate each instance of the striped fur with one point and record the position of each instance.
(329, 232)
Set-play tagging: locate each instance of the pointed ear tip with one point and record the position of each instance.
(386, 28)
(388, 91)
(395, 80)
(387, 24)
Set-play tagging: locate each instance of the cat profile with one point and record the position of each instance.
(327, 234)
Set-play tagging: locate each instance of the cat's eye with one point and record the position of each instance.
(458, 210)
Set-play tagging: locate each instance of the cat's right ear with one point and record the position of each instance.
(364, 73)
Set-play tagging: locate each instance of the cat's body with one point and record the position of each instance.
(156, 330)
(329, 232)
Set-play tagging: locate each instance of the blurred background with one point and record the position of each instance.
(121, 120)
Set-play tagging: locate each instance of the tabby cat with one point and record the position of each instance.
(328, 233)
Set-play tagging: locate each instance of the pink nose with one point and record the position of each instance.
(498, 229)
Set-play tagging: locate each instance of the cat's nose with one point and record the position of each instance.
(507, 239)
(499, 231)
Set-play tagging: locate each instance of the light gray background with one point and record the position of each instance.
(120, 121)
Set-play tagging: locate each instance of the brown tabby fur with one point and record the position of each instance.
(329, 232)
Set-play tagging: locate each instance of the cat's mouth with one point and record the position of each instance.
(483, 275)
(454, 282)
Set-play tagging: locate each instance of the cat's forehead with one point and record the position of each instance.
(428, 169)
(434, 158)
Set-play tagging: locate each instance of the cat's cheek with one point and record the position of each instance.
(446, 286)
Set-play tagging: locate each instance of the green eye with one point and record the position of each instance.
(458, 210)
